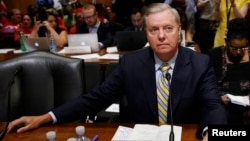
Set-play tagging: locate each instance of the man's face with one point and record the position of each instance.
(163, 33)
(236, 48)
(137, 20)
(17, 17)
(90, 17)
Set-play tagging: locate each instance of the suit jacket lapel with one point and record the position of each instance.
(148, 61)
(181, 72)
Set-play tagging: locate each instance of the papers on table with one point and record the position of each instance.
(112, 49)
(97, 56)
(122, 134)
(4, 51)
(113, 108)
(240, 100)
(75, 50)
(146, 132)
(18, 51)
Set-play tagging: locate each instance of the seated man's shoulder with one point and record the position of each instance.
(130, 28)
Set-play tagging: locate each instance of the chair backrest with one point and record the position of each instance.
(44, 81)
(93, 75)
(130, 40)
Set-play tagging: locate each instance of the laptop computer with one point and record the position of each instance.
(130, 40)
(84, 40)
(41, 43)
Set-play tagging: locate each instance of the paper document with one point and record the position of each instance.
(113, 108)
(240, 100)
(97, 56)
(87, 56)
(110, 56)
(146, 132)
(4, 51)
(122, 134)
(19, 51)
(112, 49)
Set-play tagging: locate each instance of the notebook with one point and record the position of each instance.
(84, 40)
(130, 40)
(41, 43)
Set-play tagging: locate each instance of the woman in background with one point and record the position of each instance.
(229, 9)
(50, 27)
(26, 27)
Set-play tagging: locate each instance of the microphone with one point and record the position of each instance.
(171, 134)
(7, 92)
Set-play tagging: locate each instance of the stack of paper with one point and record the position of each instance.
(97, 56)
(112, 49)
(146, 132)
(4, 51)
(240, 100)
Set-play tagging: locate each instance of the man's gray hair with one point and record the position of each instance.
(159, 7)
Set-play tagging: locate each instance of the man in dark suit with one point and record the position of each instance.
(193, 85)
(136, 20)
(93, 25)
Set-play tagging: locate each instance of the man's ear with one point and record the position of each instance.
(180, 31)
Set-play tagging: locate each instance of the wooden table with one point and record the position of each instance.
(102, 62)
(104, 130)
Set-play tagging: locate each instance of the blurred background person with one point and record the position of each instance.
(93, 25)
(14, 19)
(69, 17)
(122, 9)
(136, 20)
(229, 9)
(48, 27)
(180, 6)
(26, 27)
(79, 21)
(207, 22)
(109, 14)
(3, 13)
(232, 66)
(101, 13)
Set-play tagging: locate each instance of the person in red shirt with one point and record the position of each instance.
(15, 20)
(26, 27)
(79, 20)
(9, 27)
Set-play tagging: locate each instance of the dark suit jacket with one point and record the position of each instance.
(104, 33)
(131, 28)
(194, 90)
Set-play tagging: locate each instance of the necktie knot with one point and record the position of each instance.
(165, 67)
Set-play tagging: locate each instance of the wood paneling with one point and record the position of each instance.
(23, 4)
(20, 4)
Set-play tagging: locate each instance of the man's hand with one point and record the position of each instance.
(205, 137)
(225, 99)
(27, 123)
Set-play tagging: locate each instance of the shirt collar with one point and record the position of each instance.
(171, 62)
(96, 25)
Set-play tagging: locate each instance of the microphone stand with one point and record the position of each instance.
(11, 82)
(171, 134)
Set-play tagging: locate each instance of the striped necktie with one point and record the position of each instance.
(163, 94)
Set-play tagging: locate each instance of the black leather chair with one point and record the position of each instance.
(43, 80)
(93, 75)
